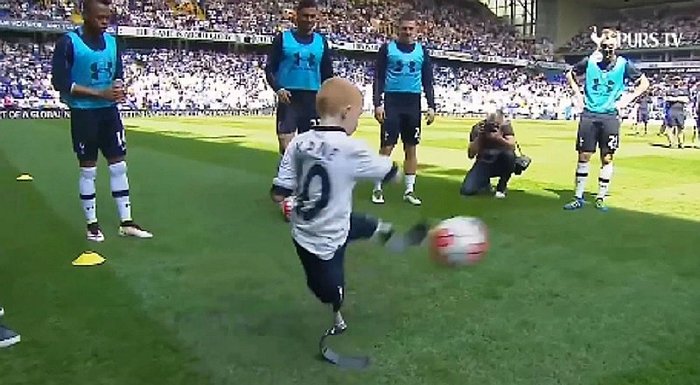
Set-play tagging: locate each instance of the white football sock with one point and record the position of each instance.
(410, 182)
(606, 173)
(86, 186)
(120, 189)
(377, 185)
(581, 176)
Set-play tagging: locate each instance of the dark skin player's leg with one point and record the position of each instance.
(386, 150)
(93, 163)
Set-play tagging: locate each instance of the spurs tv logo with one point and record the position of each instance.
(102, 69)
(637, 40)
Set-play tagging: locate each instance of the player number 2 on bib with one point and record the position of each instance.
(308, 209)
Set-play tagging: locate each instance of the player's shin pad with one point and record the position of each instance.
(342, 361)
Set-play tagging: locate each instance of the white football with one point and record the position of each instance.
(459, 241)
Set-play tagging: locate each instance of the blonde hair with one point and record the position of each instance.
(335, 95)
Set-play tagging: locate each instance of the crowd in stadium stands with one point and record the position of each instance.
(165, 79)
(685, 22)
(450, 26)
(37, 9)
(467, 28)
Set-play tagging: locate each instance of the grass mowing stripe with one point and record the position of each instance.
(78, 326)
(574, 298)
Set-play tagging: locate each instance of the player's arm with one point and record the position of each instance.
(119, 68)
(61, 65)
(641, 81)
(380, 75)
(427, 79)
(119, 74)
(61, 79)
(671, 97)
(507, 140)
(326, 61)
(274, 58)
(578, 69)
(474, 143)
(370, 165)
(284, 184)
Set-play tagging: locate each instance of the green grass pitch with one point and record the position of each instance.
(218, 296)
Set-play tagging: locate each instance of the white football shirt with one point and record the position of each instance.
(322, 166)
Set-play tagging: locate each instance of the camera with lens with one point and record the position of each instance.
(522, 162)
(491, 127)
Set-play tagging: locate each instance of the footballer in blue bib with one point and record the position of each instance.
(87, 70)
(298, 63)
(403, 73)
(603, 95)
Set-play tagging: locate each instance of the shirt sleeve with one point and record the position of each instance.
(507, 129)
(632, 72)
(119, 73)
(380, 75)
(285, 181)
(370, 165)
(61, 65)
(580, 67)
(474, 133)
(326, 61)
(427, 79)
(273, 62)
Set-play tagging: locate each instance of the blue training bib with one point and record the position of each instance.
(604, 88)
(404, 70)
(94, 69)
(300, 68)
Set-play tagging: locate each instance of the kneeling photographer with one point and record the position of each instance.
(492, 142)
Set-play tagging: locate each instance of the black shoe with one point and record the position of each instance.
(413, 237)
(416, 234)
(94, 233)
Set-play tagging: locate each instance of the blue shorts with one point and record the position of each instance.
(97, 129)
(326, 278)
(676, 118)
(598, 130)
(642, 117)
(402, 118)
(298, 116)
